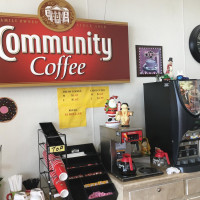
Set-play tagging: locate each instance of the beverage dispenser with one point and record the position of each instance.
(172, 117)
(121, 155)
(115, 142)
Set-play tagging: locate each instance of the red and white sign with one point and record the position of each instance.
(90, 52)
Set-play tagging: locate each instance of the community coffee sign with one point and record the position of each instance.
(55, 48)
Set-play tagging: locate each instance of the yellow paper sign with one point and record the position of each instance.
(98, 96)
(73, 96)
(72, 104)
(72, 116)
(55, 149)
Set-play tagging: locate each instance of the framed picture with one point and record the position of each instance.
(149, 60)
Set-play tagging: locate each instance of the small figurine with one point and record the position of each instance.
(145, 147)
(111, 108)
(169, 71)
(123, 115)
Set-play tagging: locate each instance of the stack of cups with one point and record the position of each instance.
(58, 173)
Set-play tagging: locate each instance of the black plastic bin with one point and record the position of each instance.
(82, 161)
(87, 169)
(95, 179)
(77, 191)
(103, 188)
(86, 148)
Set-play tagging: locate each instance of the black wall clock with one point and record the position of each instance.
(194, 43)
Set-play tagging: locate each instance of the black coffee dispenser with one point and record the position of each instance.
(172, 112)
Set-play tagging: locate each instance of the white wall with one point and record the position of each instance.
(166, 23)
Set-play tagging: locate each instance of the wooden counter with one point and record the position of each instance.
(183, 186)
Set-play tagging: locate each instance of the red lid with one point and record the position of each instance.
(127, 159)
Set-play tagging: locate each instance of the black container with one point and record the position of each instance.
(103, 188)
(95, 179)
(83, 161)
(51, 134)
(87, 169)
(86, 148)
(77, 190)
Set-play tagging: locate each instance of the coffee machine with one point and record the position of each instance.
(172, 116)
(119, 142)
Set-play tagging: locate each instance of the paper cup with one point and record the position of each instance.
(61, 187)
(64, 193)
(61, 172)
(58, 166)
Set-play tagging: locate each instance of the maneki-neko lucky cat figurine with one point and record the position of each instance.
(123, 115)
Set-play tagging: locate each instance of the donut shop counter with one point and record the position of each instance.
(179, 186)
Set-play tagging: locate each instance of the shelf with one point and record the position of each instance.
(83, 170)
(45, 141)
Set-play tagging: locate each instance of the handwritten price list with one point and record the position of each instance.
(73, 102)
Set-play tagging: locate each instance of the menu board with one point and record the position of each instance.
(73, 102)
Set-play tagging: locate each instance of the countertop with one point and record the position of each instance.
(154, 180)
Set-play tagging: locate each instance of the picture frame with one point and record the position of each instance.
(149, 61)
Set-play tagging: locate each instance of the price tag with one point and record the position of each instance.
(56, 149)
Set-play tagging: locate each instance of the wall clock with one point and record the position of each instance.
(194, 43)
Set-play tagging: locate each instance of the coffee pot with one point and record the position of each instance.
(160, 158)
(37, 194)
(126, 165)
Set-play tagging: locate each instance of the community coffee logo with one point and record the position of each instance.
(57, 15)
(56, 52)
